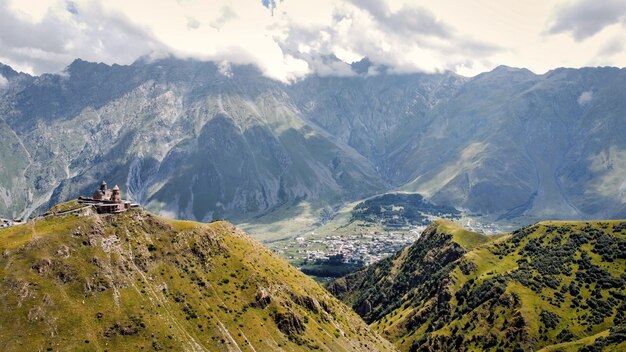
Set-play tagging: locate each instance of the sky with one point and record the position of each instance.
(290, 39)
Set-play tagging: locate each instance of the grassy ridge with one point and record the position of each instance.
(555, 286)
(134, 282)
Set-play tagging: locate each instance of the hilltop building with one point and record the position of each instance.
(5, 223)
(108, 201)
(103, 193)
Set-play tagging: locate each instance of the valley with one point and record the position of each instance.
(365, 232)
(332, 176)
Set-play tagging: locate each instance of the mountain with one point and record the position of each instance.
(199, 140)
(552, 286)
(134, 281)
(182, 137)
(506, 142)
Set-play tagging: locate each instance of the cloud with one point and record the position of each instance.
(585, 18)
(192, 23)
(329, 66)
(285, 39)
(290, 39)
(379, 9)
(612, 47)
(406, 39)
(3, 81)
(408, 20)
(224, 68)
(227, 14)
(585, 98)
(66, 31)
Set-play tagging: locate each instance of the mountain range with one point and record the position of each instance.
(201, 141)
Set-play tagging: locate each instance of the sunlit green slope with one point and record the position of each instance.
(134, 282)
(556, 286)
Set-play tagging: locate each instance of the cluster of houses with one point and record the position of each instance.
(362, 248)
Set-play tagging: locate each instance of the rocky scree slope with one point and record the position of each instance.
(553, 286)
(135, 281)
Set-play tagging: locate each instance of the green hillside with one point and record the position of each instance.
(554, 286)
(134, 281)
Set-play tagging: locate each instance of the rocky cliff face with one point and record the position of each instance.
(193, 140)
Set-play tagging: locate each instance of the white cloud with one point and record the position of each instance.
(47, 40)
(289, 39)
(584, 18)
(224, 69)
(612, 47)
(3, 81)
(192, 23)
(585, 98)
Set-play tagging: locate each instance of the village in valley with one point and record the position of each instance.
(360, 248)
(368, 232)
(324, 254)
